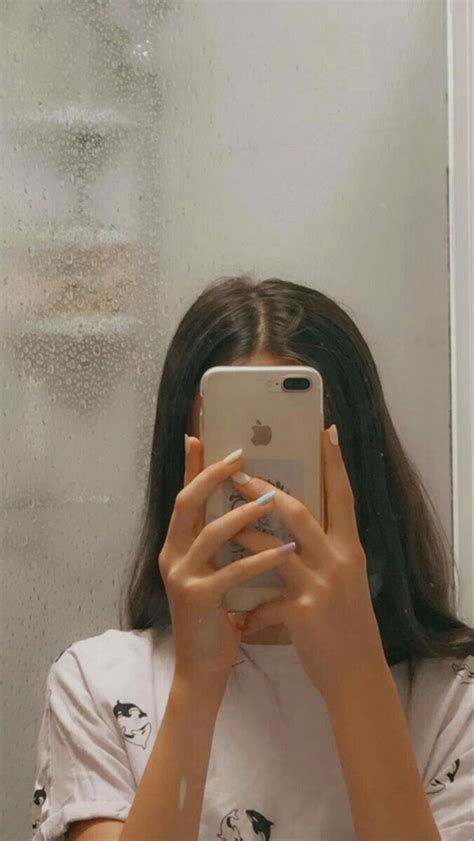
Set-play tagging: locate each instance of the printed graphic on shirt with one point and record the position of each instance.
(257, 826)
(440, 783)
(138, 733)
(39, 795)
(38, 799)
(464, 674)
(134, 730)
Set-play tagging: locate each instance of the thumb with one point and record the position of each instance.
(269, 613)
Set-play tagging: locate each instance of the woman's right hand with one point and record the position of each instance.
(206, 639)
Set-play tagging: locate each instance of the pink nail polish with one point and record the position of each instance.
(286, 549)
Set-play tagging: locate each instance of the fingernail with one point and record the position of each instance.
(333, 436)
(233, 456)
(286, 549)
(241, 478)
(265, 498)
(186, 442)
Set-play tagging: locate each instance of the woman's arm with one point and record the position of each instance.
(386, 793)
(168, 802)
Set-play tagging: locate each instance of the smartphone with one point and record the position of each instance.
(275, 413)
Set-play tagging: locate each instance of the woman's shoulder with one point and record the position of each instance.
(441, 672)
(443, 689)
(447, 671)
(111, 639)
(100, 658)
(114, 639)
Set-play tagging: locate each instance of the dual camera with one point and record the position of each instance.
(291, 383)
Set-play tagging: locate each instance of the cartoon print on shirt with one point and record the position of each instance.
(229, 831)
(438, 785)
(133, 731)
(38, 799)
(39, 794)
(467, 675)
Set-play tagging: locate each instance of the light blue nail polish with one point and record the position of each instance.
(265, 498)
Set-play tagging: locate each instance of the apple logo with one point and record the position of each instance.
(262, 434)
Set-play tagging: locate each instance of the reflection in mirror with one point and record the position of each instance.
(179, 181)
(365, 634)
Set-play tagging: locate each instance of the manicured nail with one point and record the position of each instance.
(240, 478)
(333, 436)
(286, 549)
(186, 443)
(265, 498)
(233, 456)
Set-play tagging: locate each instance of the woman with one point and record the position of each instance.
(149, 735)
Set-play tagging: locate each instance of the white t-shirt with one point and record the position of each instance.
(274, 772)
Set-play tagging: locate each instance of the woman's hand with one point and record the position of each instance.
(207, 637)
(327, 609)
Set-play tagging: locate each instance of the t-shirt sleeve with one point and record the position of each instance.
(450, 771)
(82, 770)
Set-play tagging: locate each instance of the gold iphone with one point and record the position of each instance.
(275, 413)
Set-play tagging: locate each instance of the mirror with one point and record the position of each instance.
(212, 183)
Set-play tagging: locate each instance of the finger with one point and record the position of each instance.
(293, 571)
(192, 460)
(306, 530)
(341, 516)
(215, 534)
(190, 501)
(231, 575)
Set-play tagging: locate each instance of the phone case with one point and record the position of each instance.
(280, 433)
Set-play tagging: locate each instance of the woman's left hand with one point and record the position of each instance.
(327, 609)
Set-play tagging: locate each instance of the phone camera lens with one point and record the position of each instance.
(296, 383)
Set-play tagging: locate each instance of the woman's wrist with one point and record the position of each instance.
(196, 685)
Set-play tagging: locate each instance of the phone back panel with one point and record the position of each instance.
(279, 431)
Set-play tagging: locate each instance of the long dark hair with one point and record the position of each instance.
(410, 561)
